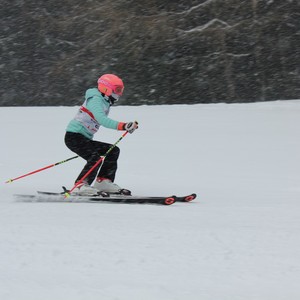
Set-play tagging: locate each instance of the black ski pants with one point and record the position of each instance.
(91, 151)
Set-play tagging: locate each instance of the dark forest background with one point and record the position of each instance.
(167, 51)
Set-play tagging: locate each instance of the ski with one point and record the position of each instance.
(105, 197)
(126, 195)
(116, 198)
(187, 198)
(135, 199)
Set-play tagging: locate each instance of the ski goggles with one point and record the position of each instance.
(118, 90)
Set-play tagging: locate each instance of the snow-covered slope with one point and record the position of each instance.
(238, 241)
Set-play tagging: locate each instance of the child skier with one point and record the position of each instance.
(80, 131)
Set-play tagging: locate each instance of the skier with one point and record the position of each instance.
(80, 131)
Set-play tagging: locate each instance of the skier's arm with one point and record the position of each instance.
(97, 107)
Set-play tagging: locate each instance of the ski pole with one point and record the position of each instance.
(100, 160)
(42, 169)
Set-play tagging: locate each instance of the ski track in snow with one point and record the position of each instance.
(239, 240)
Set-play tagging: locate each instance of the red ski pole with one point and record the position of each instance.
(101, 159)
(39, 170)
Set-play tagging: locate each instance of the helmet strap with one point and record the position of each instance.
(109, 99)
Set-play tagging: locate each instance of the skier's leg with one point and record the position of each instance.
(110, 165)
(88, 150)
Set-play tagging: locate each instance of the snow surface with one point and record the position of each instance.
(239, 240)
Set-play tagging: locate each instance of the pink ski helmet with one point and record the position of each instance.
(111, 85)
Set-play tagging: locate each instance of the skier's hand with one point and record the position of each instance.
(131, 126)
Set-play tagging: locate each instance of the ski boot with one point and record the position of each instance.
(106, 187)
(83, 189)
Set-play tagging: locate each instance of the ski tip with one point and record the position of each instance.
(190, 197)
(9, 181)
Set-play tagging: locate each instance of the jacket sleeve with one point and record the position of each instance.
(100, 109)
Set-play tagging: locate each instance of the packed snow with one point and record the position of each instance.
(239, 240)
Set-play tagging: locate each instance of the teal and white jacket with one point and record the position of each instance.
(92, 114)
